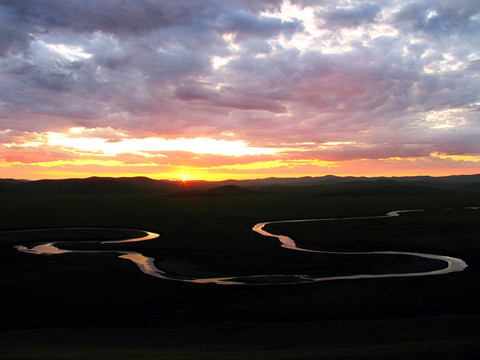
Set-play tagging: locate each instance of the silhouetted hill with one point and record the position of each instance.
(231, 190)
(224, 190)
(193, 193)
(301, 181)
(325, 185)
(91, 185)
(380, 187)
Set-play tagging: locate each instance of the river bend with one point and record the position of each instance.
(147, 264)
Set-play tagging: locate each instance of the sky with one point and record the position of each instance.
(220, 89)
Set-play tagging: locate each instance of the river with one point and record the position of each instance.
(147, 264)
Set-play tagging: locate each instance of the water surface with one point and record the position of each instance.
(147, 264)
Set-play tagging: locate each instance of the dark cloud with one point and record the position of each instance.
(474, 65)
(137, 48)
(14, 36)
(375, 73)
(245, 25)
(313, 3)
(255, 46)
(109, 16)
(23, 20)
(439, 18)
(231, 98)
(264, 5)
(349, 17)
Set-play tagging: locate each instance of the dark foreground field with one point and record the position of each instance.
(96, 306)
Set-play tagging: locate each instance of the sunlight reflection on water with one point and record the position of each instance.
(147, 264)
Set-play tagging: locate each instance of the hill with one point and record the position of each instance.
(325, 185)
(90, 185)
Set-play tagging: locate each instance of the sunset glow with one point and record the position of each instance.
(237, 89)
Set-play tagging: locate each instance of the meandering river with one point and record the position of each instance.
(147, 264)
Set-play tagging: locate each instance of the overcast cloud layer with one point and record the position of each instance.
(326, 81)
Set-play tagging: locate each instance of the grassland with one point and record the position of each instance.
(76, 306)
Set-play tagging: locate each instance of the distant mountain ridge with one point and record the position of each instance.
(339, 185)
(90, 185)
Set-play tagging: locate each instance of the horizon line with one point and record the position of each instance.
(248, 179)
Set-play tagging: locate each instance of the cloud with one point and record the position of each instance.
(230, 98)
(350, 17)
(439, 18)
(37, 154)
(384, 79)
(245, 25)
